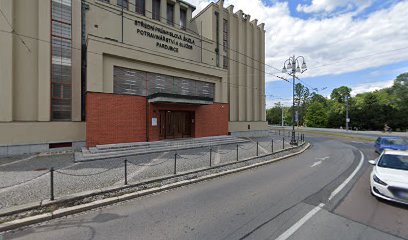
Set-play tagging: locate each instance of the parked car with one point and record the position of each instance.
(389, 177)
(394, 143)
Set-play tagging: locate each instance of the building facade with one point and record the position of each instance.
(112, 71)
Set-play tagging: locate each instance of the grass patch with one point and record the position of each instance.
(357, 138)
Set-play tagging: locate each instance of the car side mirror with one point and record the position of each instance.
(372, 162)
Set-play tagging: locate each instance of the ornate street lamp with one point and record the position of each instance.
(292, 66)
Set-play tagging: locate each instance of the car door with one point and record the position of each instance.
(377, 145)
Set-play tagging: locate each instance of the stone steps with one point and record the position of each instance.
(127, 149)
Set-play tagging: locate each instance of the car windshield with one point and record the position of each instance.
(394, 161)
(395, 141)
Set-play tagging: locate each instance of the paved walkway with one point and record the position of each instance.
(26, 178)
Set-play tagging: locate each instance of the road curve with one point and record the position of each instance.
(261, 203)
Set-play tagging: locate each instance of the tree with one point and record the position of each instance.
(302, 95)
(274, 114)
(316, 115)
(339, 94)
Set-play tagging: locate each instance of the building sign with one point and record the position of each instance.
(169, 40)
(154, 121)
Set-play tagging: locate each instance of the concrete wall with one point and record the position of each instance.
(25, 78)
(25, 62)
(18, 133)
(246, 70)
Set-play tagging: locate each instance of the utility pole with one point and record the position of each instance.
(347, 113)
(293, 66)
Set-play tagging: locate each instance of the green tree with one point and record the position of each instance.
(274, 114)
(316, 115)
(302, 95)
(339, 94)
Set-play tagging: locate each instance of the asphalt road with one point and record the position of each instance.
(285, 200)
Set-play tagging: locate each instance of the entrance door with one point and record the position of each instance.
(175, 124)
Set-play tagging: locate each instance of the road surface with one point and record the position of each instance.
(284, 200)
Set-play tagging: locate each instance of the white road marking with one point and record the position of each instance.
(18, 161)
(315, 210)
(316, 163)
(299, 223)
(341, 186)
(142, 168)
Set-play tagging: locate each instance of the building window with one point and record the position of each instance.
(170, 14)
(140, 7)
(134, 82)
(61, 55)
(217, 37)
(123, 4)
(183, 19)
(225, 43)
(156, 10)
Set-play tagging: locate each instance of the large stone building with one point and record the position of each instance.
(93, 72)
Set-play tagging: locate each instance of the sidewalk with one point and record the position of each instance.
(26, 179)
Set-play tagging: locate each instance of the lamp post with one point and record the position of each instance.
(292, 66)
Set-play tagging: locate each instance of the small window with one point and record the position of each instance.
(123, 4)
(225, 62)
(140, 7)
(170, 14)
(156, 10)
(183, 19)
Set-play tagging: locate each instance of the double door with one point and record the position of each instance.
(175, 124)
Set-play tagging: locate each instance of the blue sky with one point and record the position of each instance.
(368, 78)
(362, 44)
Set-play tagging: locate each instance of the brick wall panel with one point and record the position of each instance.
(115, 118)
(212, 120)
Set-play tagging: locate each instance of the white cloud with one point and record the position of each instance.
(334, 45)
(327, 7)
(371, 86)
(271, 102)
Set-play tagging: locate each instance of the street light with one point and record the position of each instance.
(292, 66)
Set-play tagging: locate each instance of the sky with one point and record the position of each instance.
(362, 44)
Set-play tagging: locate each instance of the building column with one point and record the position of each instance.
(6, 61)
(241, 66)
(131, 5)
(262, 79)
(148, 8)
(177, 14)
(163, 11)
(220, 33)
(188, 21)
(249, 80)
(256, 70)
(44, 63)
(76, 60)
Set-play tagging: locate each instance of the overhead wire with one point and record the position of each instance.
(181, 27)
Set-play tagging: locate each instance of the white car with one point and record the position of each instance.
(389, 177)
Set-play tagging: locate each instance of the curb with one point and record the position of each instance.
(18, 223)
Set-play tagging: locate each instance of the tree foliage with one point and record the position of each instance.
(367, 111)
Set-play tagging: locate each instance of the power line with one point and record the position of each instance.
(365, 56)
(97, 53)
(12, 30)
(178, 25)
(237, 61)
